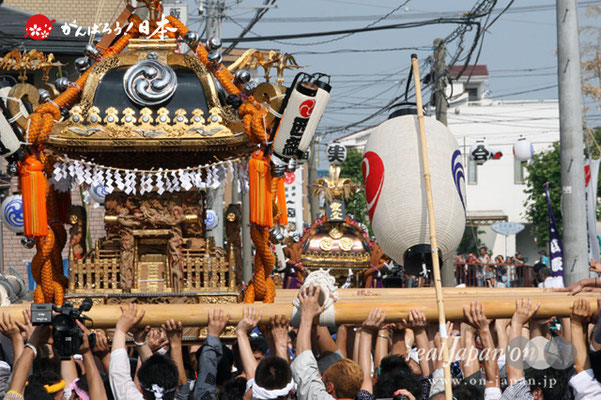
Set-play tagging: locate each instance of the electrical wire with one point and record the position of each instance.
(259, 14)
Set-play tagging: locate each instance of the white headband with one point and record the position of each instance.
(259, 393)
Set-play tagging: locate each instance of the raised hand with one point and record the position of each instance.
(524, 310)
(85, 341)
(129, 317)
(475, 316)
(416, 320)
(250, 319)
(309, 301)
(27, 327)
(581, 312)
(8, 326)
(218, 319)
(374, 320)
(156, 340)
(101, 348)
(174, 331)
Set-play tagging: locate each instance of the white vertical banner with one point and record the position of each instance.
(591, 176)
(293, 184)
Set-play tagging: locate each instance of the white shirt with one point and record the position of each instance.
(585, 386)
(120, 377)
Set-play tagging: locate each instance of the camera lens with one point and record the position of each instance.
(63, 323)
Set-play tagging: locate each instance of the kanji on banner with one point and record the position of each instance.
(293, 184)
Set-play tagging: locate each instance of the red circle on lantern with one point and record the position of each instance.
(289, 178)
(306, 108)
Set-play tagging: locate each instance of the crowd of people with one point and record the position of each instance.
(374, 360)
(512, 271)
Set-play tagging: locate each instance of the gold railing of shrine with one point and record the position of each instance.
(206, 269)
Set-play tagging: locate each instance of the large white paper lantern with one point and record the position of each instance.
(523, 150)
(12, 213)
(395, 190)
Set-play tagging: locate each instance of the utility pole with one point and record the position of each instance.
(215, 10)
(313, 157)
(440, 102)
(575, 239)
(440, 82)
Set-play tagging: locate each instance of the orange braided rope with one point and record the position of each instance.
(46, 266)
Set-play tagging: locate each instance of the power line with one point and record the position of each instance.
(356, 30)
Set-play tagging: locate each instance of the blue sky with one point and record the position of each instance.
(519, 49)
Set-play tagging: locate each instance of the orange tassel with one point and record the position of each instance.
(281, 202)
(260, 190)
(34, 187)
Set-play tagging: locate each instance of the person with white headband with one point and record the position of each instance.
(271, 379)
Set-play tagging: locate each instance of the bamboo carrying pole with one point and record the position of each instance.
(352, 312)
(432, 225)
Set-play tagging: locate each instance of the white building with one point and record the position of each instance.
(495, 190)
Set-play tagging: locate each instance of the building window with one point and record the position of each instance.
(472, 93)
(519, 171)
(472, 172)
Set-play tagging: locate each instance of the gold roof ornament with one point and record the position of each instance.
(252, 59)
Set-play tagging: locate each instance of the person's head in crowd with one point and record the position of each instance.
(468, 392)
(547, 383)
(395, 374)
(343, 379)
(482, 251)
(36, 391)
(158, 378)
(499, 259)
(233, 389)
(544, 273)
(259, 346)
(47, 373)
(273, 380)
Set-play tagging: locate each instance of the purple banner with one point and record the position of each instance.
(555, 245)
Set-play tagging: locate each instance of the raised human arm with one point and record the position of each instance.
(279, 336)
(174, 331)
(581, 314)
(249, 321)
(371, 325)
(95, 385)
(416, 321)
(476, 317)
(341, 339)
(205, 387)
(12, 330)
(22, 366)
(524, 310)
(309, 308)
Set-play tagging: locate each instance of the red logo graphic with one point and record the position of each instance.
(38, 27)
(306, 108)
(289, 178)
(587, 175)
(373, 176)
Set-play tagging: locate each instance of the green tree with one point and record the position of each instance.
(356, 205)
(542, 168)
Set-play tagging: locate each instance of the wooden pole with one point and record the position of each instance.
(432, 225)
(349, 312)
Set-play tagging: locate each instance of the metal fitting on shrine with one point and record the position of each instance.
(215, 57)
(214, 43)
(44, 95)
(192, 39)
(27, 242)
(82, 64)
(276, 234)
(292, 165)
(278, 166)
(62, 83)
(91, 51)
(242, 76)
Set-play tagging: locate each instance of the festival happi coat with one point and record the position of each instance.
(149, 128)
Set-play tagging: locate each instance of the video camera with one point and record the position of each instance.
(68, 337)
